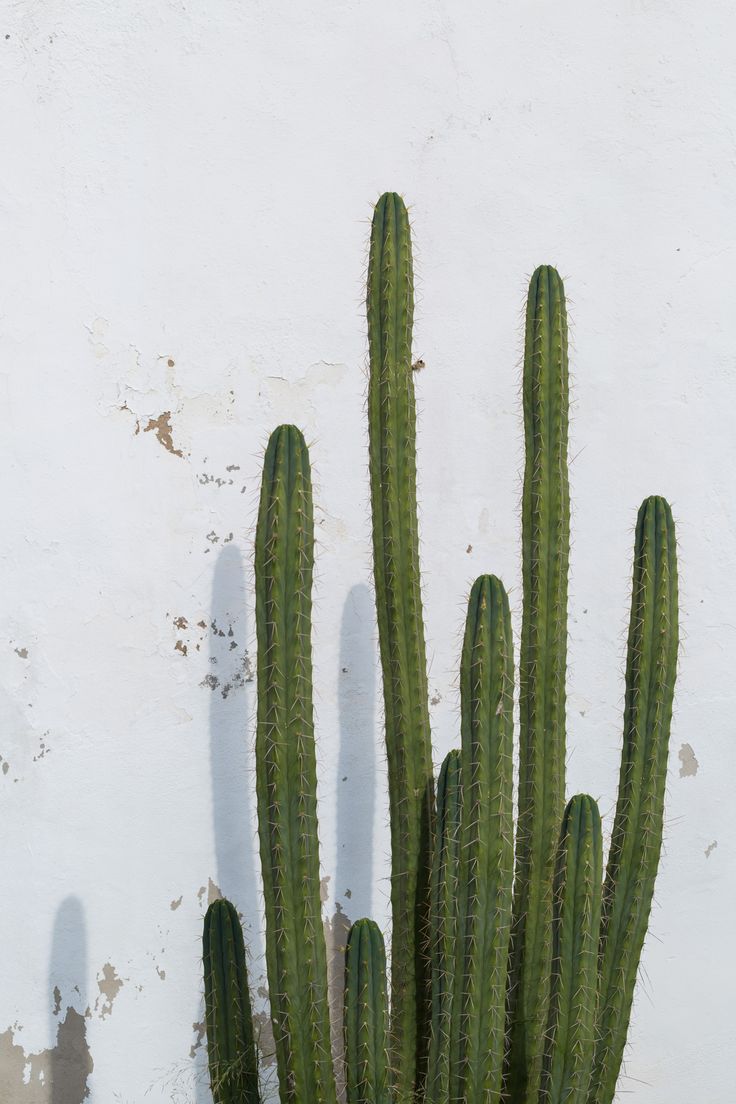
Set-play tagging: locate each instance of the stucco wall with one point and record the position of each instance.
(184, 205)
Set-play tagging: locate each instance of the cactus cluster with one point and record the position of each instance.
(514, 959)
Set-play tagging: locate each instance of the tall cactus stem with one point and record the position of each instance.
(568, 1057)
(286, 781)
(366, 1016)
(487, 850)
(231, 1048)
(391, 417)
(545, 540)
(445, 892)
(637, 831)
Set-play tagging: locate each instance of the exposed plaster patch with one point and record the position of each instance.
(175, 904)
(199, 1030)
(161, 426)
(688, 763)
(213, 891)
(180, 646)
(109, 985)
(263, 1031)
(161, 973)
(469, 548)
(60, 1073)
(22, 652)
(710, 848)
(436, 698)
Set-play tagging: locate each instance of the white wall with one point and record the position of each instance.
(185, 198)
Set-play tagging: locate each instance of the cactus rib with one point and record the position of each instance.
(286, 779)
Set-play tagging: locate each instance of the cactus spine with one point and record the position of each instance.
(568, 1057)
(286, 781)
(542, 662)
(391, 418)
(637, 831)
(445, 891)
(231, 1048)
(366, 1016)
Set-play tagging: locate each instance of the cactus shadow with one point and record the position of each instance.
(70, 1060)
(356, 792)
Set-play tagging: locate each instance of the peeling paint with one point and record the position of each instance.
(22, 652)
(175, 904)
(161, 426)
(710, 849)
(59, 1074)
(436, 698)
(199, 1030)
(109, 985)
(213, 891)
(688, 763)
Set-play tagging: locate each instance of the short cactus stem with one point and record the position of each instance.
(391, 419)
(444, 902)
(231, 1048)
(542, 665)
(286, 777)
(487, 854)
(366, 1016)
(637, 831)
(568, 1057)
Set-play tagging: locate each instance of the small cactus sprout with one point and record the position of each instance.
(568, 1056)
(637, 830)
(391, 423)
(286, 774)
(366, 1016)
(231, 1048)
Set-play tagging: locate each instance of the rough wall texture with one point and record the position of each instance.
(184, 209)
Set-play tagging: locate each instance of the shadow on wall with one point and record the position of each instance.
(70, 1061)
(230, 681)
(356, 793)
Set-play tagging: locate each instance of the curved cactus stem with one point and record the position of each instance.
(391, 416)
(637, 831)
(231, 1048)
(445, 887)
(545, 540)
(487, 850)
(568, 1057)
(286, 780)
(366, 1016)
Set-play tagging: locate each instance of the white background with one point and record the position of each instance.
(185, 198)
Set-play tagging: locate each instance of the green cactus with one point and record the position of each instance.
(366, 1016)
(286, 777)
(391, 423)
(231, 1048)
(444, 905)
(637, 831)
(542, 662)
(568, 1056)
(544, 970)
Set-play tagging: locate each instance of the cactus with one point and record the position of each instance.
(231, 1048)
(286, 778)
(366, 1016)
(637, 830)
(445, 891)
(568, 1056)
(391, 423)
(510, 978)
(542, 660)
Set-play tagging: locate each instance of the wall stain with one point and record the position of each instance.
(688, 763)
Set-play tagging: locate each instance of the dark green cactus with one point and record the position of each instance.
(553, 980)
(391, 421)
(286, 779)
(637, 831)
(487, 850)
(568, 1057)
(231, 1047)
(366, 1016)
(542, 663)
(444, 906)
